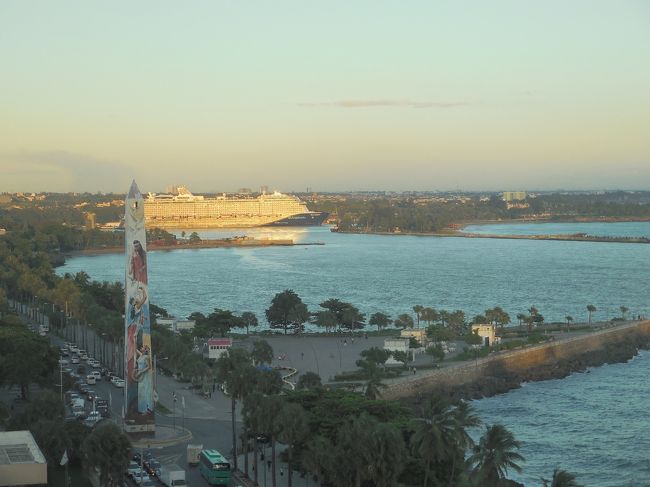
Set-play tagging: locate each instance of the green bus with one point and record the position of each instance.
(214, 467)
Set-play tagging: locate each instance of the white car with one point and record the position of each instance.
(141, 479)
(83, 356)
(133, 469)
(117, 382)
(74, 349)
(96, 374)
(74, 360)
(93, 418)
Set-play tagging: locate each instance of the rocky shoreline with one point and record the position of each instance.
(498, 380)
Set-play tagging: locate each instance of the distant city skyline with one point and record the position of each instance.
(334, 96)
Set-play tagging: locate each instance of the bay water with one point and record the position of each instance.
(594, 424)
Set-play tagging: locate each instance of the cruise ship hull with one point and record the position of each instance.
(311, 219)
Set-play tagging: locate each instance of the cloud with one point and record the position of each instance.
(386, 103)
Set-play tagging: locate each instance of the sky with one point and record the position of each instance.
(331, 95)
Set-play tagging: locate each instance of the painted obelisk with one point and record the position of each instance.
(138, 357)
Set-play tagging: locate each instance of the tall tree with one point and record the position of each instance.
(380, 320)
(249, 319)
(417, 309)
(433, 434)
(108, 450)
(293, 429)
(403, 321)
(495, 454)
(262, 352)
(234, 370)
(325, 319)
(561, 478)
(590, 309)
(624, 310)
(287, 309)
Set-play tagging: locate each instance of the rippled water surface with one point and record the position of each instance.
(393, 273)
(595, 425)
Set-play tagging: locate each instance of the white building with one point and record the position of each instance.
(216, 347)
(396, 345)
(21, 460)
(176, 325)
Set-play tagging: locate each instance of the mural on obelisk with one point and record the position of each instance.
(138, 394)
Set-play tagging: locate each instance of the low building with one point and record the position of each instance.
(514, 195)
(176, 325)
(215, 347)
(488, 333)
(420, 334)
(396, 345)
(21, 460)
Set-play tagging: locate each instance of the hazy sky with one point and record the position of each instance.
(331, 95)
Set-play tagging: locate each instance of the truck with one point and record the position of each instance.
(172, 476)
(193, 452)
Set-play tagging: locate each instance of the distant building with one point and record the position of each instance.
(216, 347)
(488, 333)
(514, 195)
(91, 223)
(21, 460)
(176, 325)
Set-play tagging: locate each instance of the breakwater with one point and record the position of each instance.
(504, 371)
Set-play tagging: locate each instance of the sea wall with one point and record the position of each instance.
(504, 371)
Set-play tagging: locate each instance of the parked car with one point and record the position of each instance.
(119, 383)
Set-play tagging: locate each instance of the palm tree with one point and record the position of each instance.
(561, 478)
(590, 309)
(293, 429)
(235, 371)
(270, 409)
(251, 413)
(495, 454)
(418, 313)
(624, 310)
(374, 383)
(464, 418)
(568, 319)
(249, 319)
(433, 435)
(521, 317)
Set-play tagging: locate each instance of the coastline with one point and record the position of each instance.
(203, 244)
(501, 373)
(458, 232)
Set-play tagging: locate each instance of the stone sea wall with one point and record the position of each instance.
(504, 371)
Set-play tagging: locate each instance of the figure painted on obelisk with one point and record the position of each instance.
(139, 394)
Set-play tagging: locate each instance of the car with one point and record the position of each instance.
(74, 360)
(83, 388)
(74, 349)
(119, 383)
(63, 361)
(148, 483)
(96, 374)
(153, 467)
(141, 479)
(83, 356)
(91, 394)
(93, 418)
(133, 468)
